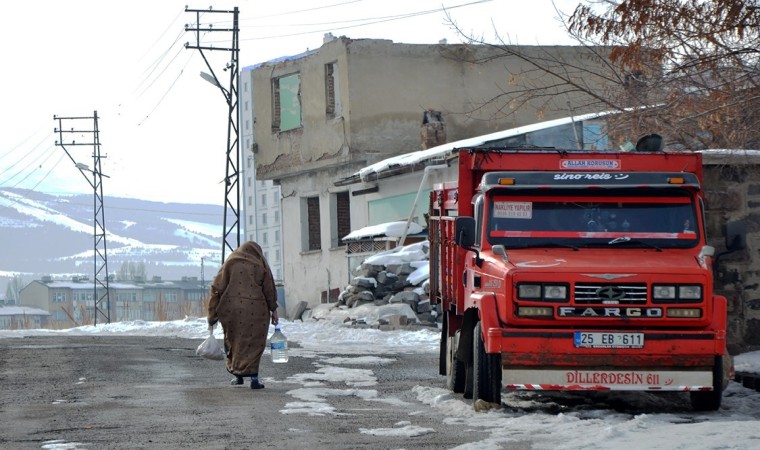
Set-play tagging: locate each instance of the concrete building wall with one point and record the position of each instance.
(359, 102)
(36, 295)
(384, 89)
(309, 273)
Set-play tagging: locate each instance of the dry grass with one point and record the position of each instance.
(161, 309)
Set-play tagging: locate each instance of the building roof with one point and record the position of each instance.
(409, 162)
(22, 311)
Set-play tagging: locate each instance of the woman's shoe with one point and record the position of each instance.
(236, 380)
(255, 384)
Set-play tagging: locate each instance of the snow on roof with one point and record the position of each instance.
(22, 311)
(390, 229)
(443, 151)
(734, 156)
(85, 285)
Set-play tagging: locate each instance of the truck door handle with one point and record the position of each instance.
(464, 278)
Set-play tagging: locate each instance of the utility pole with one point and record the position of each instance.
(203, 274)
(66, 138)
(232, 186)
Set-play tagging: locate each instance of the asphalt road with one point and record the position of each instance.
(125, 392)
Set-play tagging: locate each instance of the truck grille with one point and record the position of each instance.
(610, 293)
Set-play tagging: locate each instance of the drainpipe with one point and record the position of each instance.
(428, 169)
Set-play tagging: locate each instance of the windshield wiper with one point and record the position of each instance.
(548, 245)
(628, 240)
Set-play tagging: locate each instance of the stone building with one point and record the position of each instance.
(732, 193)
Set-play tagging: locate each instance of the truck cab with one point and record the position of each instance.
(577, 270)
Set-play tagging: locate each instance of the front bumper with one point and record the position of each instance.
(548, 359)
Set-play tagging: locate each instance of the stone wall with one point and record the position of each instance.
(732, 193)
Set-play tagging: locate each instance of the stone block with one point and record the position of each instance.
(365, 297)
(397, 320)
(386, 278)
(298, 311)
(409, 297)
(752, 332)
(424, 306)
(364, 282)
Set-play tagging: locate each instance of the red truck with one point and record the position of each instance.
(578, 270)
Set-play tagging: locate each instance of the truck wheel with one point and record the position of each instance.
(455, 373)
(710, 400)
(486, 371)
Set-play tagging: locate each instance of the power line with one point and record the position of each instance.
(166, 30)
(318, 8)
(21, 171)
(49, 171)
(157, 63)
(25, 155)
(362, 21)
(24, 141)
(26, 167)
(147, 116)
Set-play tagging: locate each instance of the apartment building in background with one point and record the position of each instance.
(260, 199)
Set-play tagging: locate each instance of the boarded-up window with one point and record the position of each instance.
(313, 225)
(340, 211)
(330, 90)
(286, 102)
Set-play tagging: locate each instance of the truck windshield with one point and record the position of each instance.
(630, 218)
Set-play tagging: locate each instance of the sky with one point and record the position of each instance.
(524, 418)
(162, 128)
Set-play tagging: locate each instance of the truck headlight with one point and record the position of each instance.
(529, 291)
(546, 292)
(690, 292)
(555, 292)
(677, 293)
(662, 292)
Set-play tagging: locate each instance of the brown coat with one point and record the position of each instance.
(241, 298)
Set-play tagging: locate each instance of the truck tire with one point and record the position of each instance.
(486, 371)
(455, 371)
(710, 400)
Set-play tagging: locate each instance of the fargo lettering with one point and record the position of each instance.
(649, 313)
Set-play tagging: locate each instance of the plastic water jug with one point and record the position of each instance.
(279, 346)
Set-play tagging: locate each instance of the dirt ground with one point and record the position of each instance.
(120, 392)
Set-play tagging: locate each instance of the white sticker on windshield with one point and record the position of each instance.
(513, 210)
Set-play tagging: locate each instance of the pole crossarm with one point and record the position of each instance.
(101, 293)
(231, 239)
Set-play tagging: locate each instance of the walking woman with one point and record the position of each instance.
(244, 300)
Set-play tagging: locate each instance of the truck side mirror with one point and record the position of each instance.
(736, 239)
(736, 236)
(465, 231)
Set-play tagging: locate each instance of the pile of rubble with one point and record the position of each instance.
(392, 284)
(389, 288)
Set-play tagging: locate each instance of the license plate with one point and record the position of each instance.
(598, 339)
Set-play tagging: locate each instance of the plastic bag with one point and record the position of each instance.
(210, 348)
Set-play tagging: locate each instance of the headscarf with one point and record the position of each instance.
(249, 251)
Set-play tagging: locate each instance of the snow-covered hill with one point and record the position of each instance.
(43, 234)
